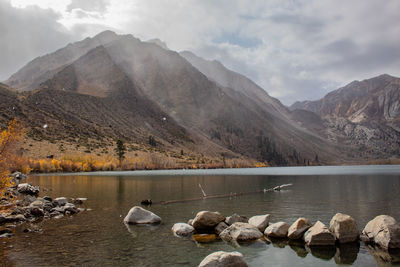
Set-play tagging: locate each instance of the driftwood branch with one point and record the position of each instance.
(205, 196)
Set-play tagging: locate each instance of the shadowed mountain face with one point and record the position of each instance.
(112, 85)
(365, 114)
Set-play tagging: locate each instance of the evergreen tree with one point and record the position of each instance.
(120, 150)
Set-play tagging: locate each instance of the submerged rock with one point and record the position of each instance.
(298, 228)
(319, 235)
(79, 200)
(278, 230)
(384, 231)
(260, 221)
(344, 227)
(222, 258)
(138, 215)
(182, 229)
(241, 232)
(204, 238)
(207, 220)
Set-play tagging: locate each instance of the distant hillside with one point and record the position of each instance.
(365, 114)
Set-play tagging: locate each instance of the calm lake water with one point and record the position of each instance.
(100, 238)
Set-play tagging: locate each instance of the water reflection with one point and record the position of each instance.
(110, 242)
(298, 247)
(384, 257)
(347, 253)
(322, 252)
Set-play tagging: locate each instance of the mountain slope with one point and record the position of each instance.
(43, 68)
(365, 114)
(217, 72)
(125, 87)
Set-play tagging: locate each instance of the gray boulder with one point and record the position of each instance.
(319, 235)
(344, 227)
(260, 221)
(384, 231)
(278, 230)
(182, 229)
(235, 218)
(70, 208)
(18, 176)
(37, 203)
(207, 220)
(60, 201)
(241, 232)
(298, 228)
(220, 227)
(28, 189)
(223, 259)
(138, 215)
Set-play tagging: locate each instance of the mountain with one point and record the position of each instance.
(43, 68)
(116, 86)
(363, 113)
(217, 72)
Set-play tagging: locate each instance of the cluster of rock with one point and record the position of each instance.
(382, 231)
(29, 207)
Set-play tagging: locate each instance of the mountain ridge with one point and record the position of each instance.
(124, 87)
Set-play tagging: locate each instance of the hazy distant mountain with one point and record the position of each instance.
(365, 113)
(43, 68)
(217, 72)
(113, 86)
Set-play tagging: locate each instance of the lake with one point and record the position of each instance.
(100, 238)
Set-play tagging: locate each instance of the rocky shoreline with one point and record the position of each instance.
(22, 204)
(381, 235)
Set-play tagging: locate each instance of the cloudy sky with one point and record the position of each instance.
(294, 49)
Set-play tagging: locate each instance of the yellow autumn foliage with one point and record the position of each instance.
(8, 139)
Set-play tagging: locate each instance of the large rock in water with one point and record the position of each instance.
(222, 259)
(278, 230)
(260, 221)
(297, 229)
(241, 232)
(138, 215)
(319, 235)
(28, 189)
(344, 228)
(384, 231)
(207, 220)
(182, 229)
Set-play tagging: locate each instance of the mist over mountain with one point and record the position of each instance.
(116, 86)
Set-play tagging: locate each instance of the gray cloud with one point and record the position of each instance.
(27, 33)
(295, 50)
(89, 5)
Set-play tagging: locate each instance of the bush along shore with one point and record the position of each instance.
(341, 239)
(22, 204)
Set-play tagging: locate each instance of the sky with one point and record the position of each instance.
(296, 49)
